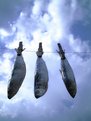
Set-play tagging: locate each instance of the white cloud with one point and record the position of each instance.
(5, 66)
(49, 29)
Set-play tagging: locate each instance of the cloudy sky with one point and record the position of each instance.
(49, 22)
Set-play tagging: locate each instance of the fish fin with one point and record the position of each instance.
(60, 71)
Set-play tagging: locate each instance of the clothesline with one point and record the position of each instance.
(32, 51)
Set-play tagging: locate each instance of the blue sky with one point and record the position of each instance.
(49, 22)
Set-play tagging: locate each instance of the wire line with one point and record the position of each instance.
(74, 52)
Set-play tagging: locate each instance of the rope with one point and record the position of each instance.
(75, 52)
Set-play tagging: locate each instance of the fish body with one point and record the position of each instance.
(41, 78)
(17, 77)
(68, 77)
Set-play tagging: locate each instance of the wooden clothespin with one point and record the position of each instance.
(20, 49)
(61, 52)
(40, 50)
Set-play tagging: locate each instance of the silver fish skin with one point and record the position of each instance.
(68, 77)
(41, 78)
(17, 77)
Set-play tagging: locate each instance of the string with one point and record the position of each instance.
(74, 52)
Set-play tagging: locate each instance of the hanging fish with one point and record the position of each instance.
(41, 75)
(67, 73)
(18, 73)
